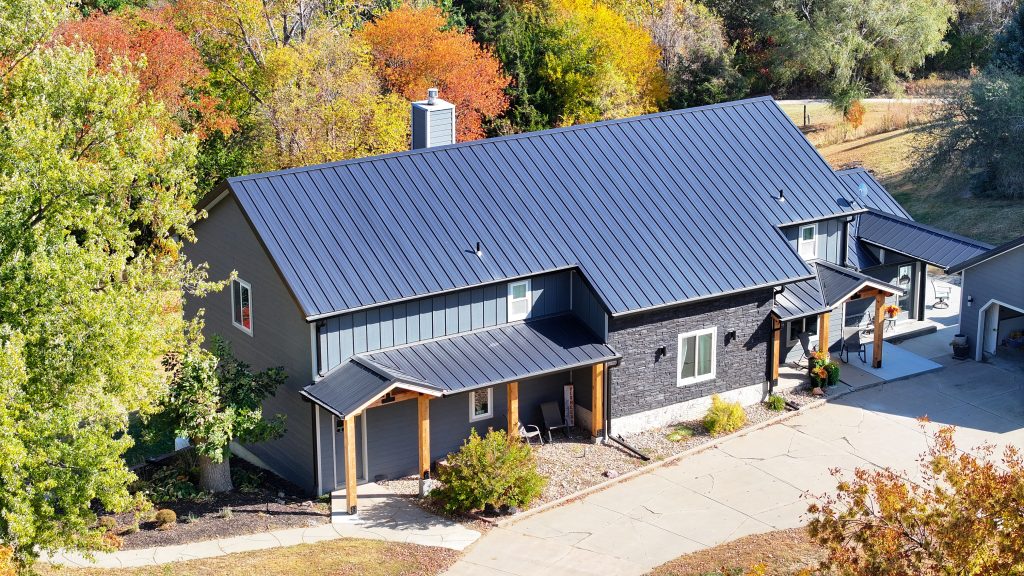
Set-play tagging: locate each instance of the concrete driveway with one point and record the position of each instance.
(754, 483)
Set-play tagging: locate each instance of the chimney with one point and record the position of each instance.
(433, 122)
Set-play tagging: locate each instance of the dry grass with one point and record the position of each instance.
(345, 557)
(782, 553)
(827, 127)
(942, 200)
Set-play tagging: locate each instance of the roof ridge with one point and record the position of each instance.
(506, 138)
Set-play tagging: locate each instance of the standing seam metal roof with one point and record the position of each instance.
(937, 247)
(1001, 249)
(654, 210)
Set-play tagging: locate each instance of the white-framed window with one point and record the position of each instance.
(481, 404)
(241, 305)
(807, 244)
(798, 327)
(519, 300)
(696, 356)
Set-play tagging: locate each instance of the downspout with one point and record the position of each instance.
(608, 414)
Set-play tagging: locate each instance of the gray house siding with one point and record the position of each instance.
(831, 243)
(586, 306)
(642, 382)
(1000, 278)
(342, 336)
(280, 336)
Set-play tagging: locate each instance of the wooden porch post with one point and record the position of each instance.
(513, 409)
(423, 410)
(776, 347)
(876, 352)
(823, 340)
(350, 463)
(597, 400)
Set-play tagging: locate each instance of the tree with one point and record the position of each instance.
(855, 46)
(972, 33)
(279, 63)
(170, 68)
(413, 52)
(1008, 48)
(96, 198)
(963, 517)
(216, 399)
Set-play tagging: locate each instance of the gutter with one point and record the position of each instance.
(608, 414)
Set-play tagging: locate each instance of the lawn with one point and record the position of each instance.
(825, 127)
(943, 200)
(781, 553)
(345, 557)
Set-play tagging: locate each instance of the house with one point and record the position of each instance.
(627, 270)
(992, 299)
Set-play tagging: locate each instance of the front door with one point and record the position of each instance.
(991, 328)
(905, 280)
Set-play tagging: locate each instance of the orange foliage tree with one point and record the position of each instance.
(173, 73)
(412, 52)
(965, 516)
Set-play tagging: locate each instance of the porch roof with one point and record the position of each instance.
(916, 240)
(831, 286)
(506, 353)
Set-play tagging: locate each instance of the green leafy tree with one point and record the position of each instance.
(1008, 51)
(963, 517)
(972, 34)
(854, 46)
(216, 399)
(96, 197)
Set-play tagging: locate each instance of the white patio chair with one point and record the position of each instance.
(529, 435)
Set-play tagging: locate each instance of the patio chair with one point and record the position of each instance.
(805, 344)
(529, 435)
(852, 341)
(942, 295)
(553, 418)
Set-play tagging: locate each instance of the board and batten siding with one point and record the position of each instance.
(587, 307)
(280, 334)
(830, 239)
(402, 323)
(1000, 278)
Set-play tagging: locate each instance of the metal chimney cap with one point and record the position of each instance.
(431, 96)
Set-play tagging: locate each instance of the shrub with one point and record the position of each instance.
(496, 470)
(107, 523)
(164, 517)
(246, 481)
(833, 373)
(130, 528)
(7, 565)
(226, 513)
(170, 483)
(724, 417)
(191, 518)
(679, 433)
(112, 540)
(776, 403)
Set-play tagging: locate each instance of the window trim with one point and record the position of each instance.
(473, 417)
(528, 298)
(800, 242)
(248, 287)
(813, 338)
(696, 334)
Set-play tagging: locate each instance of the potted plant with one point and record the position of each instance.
(891, 310)
(823, 370)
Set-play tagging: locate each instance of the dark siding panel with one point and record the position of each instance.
(586, 307)
(391, 439)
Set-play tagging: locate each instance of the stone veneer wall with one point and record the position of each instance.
(644, 392)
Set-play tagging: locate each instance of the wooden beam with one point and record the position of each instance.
(876, 352)
(776, 347)
(398, 396)
(513, 409)
(597, 400)
(423, 410)
(823, 341)
(350, 464)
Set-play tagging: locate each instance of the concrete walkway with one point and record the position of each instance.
(756, 482)
(383, 516)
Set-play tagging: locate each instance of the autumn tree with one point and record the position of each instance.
(412, 52)
(96, 197)
(168, 66)
(962, 518)
(216, 399)
(301, 88)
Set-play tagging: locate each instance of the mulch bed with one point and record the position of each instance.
(274, 505)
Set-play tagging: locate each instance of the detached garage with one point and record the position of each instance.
(992, 300)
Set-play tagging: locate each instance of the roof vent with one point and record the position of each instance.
(782, 195)
(433, 121)
(479, 250)
(863, 189)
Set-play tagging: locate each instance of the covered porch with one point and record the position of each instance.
(422, 400)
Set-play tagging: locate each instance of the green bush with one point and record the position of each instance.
(724, 417)
(165, 516)
(679, 433)
(833, 373)
(495, 470)
(107, 523)
(171, 482)
(776, 403)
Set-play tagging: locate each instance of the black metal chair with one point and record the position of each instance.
(553, 418)
(851, 340)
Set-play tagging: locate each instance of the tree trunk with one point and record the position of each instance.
(215, 476)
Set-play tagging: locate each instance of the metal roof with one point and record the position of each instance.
(495, 355)
(654, 210)
(349, 387)
(1001, 249)
(800, 299)
(839, 283)
(931, 245)
(870, 193)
